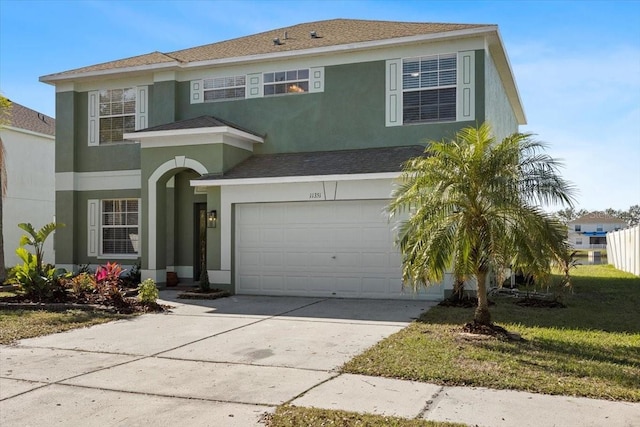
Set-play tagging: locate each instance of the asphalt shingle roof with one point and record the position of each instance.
(25, 118)
(597, 218)
(331, 32)
(339, 162)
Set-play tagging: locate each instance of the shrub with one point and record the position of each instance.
(83, 283)
(108, 283)
(148, 292)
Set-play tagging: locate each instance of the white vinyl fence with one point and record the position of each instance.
(623, 249)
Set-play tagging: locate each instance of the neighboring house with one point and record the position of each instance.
(29, 143)
(269, 157)
(590, 230)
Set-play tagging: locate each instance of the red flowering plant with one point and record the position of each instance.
(108, 282)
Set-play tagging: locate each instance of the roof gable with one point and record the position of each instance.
(21, 117)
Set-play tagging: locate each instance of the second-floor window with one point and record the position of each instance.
(117, 111)
(114, 112)
(599, 227)
(429, 88)
(221, 88)
(284, 82)
(577, 228)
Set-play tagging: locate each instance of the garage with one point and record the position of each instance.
(340, 249)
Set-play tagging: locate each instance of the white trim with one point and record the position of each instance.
(316, 79)
(293, 179)
(466, 87)
(141, 136)
(222, 277)
(65, 87)
(175, 163)
(164, 76)
(97, 181)
(393, 92)
(29, 132)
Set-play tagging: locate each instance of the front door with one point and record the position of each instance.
(200, 240)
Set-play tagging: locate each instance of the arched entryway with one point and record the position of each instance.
(172, 209)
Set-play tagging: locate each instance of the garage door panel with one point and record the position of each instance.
(328, 248)
(273, 283)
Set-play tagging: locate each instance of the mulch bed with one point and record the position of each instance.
(128, 305)
(493, 330)
(464, 302)
(539, 303)
(198, 294)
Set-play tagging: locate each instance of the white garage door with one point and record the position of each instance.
(333, 249)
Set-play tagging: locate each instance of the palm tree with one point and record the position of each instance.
(473, 207)
(5, 110)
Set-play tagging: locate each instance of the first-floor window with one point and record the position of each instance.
(578, 241)
(119, 227)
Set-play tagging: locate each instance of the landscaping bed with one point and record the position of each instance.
(293, 416)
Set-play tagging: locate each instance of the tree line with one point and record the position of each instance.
(631, 216)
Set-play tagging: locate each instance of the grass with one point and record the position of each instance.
(293, 416)
(591, 348)
(19, 324)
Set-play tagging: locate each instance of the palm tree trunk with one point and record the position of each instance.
(482, 314)
(3, 268)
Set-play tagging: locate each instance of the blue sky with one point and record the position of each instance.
(576, 63)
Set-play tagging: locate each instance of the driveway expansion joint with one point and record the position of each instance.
(311, 388)
(431, 403)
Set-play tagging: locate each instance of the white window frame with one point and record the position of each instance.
(96, 227)
(94, 116)
(579, 241)
(465, 89)
(418, 81)
(222, 84)
(283, 78)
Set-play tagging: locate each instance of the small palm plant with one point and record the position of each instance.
(473, 206)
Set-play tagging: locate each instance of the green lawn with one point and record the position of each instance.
(292, 416)
(591, 348)
(19, 324)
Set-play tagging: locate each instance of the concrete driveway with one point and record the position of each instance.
(222, 362)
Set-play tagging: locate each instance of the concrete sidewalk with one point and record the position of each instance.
(227, 362)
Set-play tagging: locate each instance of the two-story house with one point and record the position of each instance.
(29, 142)
(268, 159)
(590, 230)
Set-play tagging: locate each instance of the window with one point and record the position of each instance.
(579, 241)
(221, 88)
(119, 227)
(429, 88)
(577, 227)
(599, 227)
(117, 113)
(283, 82)
(114, 112)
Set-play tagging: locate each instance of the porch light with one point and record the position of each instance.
(212, 219)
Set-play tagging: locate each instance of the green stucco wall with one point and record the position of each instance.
(498, 108)
(350, 113)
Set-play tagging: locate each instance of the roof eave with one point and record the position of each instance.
(347, 47)
(140, 69)
(228, 130)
